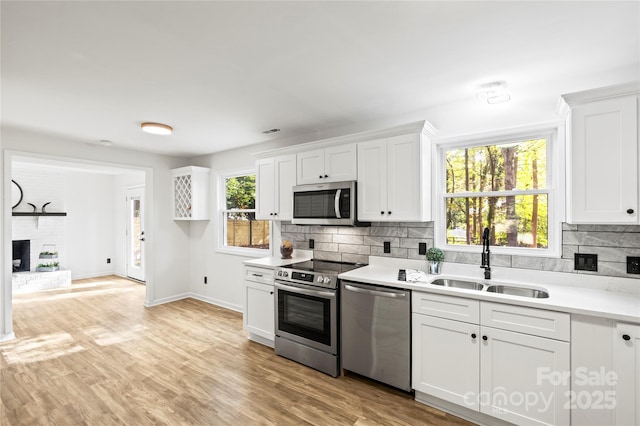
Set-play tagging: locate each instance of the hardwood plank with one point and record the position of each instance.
(93, 354)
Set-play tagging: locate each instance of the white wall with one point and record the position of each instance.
(224, 271)
(167, 241)
(86, 237)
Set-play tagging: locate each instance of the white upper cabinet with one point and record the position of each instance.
(393, 179)
(331, 164)
(190, 189)
(275, 178)
(602, 160)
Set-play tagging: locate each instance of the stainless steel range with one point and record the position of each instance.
(307, 310)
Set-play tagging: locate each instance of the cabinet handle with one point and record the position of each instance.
(257, 275)
(326, 176)
(388, 212)
(473, 335)
(630, 211)
(270, 292)
(484, 338)
(626, 337)
(320, 176)
(381, 212)
(275, 214)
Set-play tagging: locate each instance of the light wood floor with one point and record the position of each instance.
(93, 355)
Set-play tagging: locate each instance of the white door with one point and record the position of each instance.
(135, 233)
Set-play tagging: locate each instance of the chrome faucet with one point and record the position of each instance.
(486, 258)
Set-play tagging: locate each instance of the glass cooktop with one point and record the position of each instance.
(325, 266)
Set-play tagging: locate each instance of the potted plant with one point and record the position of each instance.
(435, 256)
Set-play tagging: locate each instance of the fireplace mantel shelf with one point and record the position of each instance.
(38, 214)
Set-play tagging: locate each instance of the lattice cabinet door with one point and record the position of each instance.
(191, 193)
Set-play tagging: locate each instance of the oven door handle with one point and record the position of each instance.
(336, 203)
(374, 292)
(306, 291)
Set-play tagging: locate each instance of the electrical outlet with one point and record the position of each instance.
(585, 262)
(312, 243)
(205, 279)
(633, 265)
(387, 246)
(422, 248)
(108, 260)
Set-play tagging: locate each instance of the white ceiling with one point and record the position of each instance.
(222, 72)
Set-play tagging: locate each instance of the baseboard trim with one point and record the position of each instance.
(217, 302)
(7, 337)
(168, 299)
(196, 296)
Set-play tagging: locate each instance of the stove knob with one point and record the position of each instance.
(327, 280)
(320, 280)
(279, 273)
(285, 274)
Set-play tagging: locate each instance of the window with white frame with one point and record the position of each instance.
(241, 230)
(503, 185)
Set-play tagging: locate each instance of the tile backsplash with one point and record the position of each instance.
(612, 244)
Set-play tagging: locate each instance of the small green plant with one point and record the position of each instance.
(48, 253)
(434, 254)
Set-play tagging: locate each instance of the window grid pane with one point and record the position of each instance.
(241, 229)
(501, 187)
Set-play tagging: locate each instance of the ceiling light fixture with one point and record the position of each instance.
(498, 99)
(493, 93)
(157, 128)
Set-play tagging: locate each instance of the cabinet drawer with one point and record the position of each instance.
(259, 275)
(537, 322)
(437, 305)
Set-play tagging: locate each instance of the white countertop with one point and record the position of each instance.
(276, 261)
(615, 299)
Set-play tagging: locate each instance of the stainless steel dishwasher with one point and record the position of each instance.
(376, 332)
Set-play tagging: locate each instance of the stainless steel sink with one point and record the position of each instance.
(469, 285)
(518, 291)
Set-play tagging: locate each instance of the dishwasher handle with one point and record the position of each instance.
(391, 294)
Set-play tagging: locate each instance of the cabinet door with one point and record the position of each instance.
(524, 379)
(285, 179)
(372, 181)
(259, 310)
(310, 167)
(626, 354)
(445, 359)
(604, 162)
(182, 197)
(340, 163)
(265, 189)
(404, 179)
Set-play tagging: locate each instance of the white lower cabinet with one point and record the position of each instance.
(521, 378)
(508, 374)
(626, 361)
(259, 310)
(445, 359)
(605, 362)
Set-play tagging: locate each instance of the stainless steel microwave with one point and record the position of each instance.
(325, 204)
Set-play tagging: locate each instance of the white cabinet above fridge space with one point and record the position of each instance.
(603, 182)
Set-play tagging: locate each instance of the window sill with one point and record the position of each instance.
(245, 252)
(531, 252)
